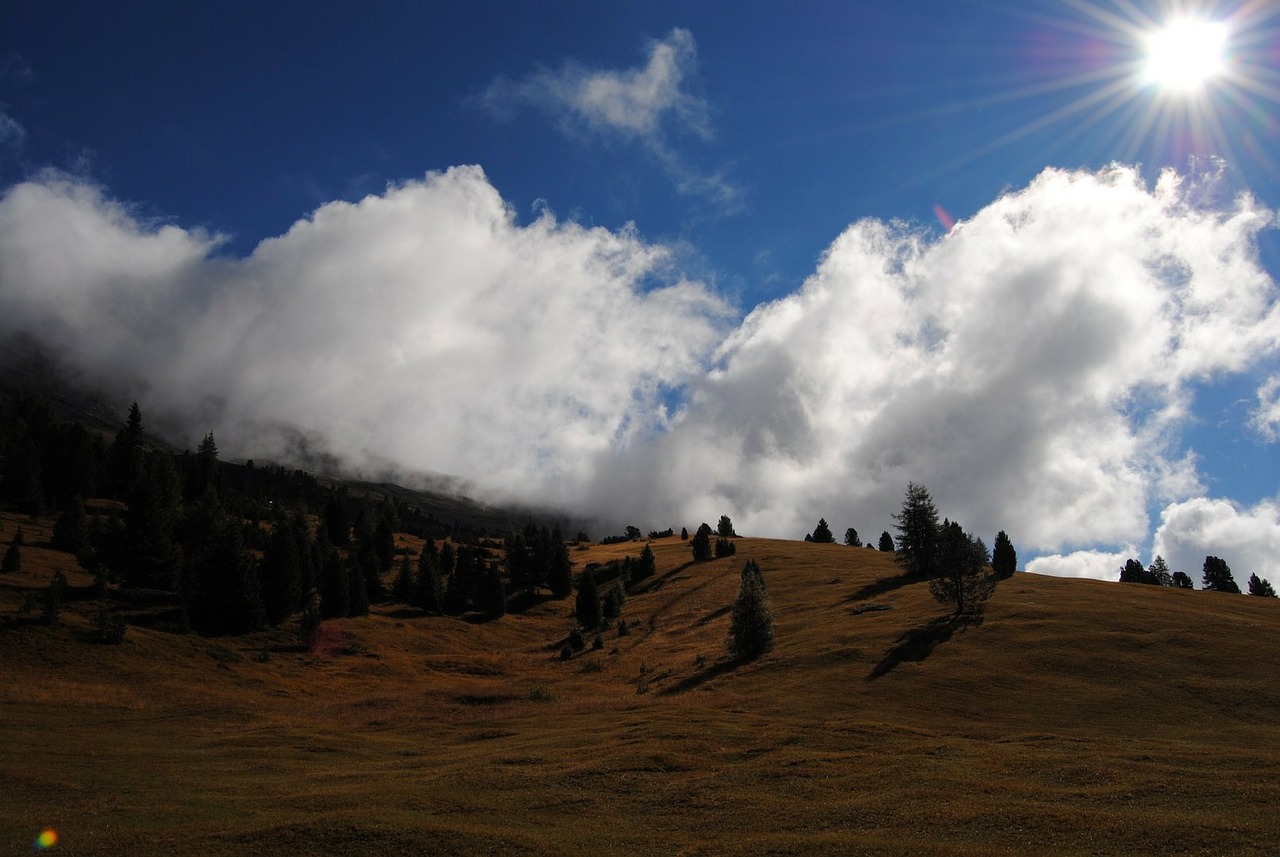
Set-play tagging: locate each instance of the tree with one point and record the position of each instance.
(702, 546)
(429, 592)
(335, 586)
(751, 620)
(402, 588)
(822, 533)
(1004, 559)
(725, 528)
(1158, 572)
(1133, 572)
(851, 538)
(684, 534)
(1260, 587)
(886, 542)
(223, 594)
(960, 578)
(492, 598)
(12, 562)
(1182, 580)
(645, 566)
(560, 572)
(150, 555)
(725, 547)
(71, 532)
(206, 470)
(280, 572)
(1217, 576)
(588, 607)
(918, 533)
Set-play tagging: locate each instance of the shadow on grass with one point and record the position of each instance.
(702, 676)
(714, 615)
(653, 584)
(883, 585)
(918, 643)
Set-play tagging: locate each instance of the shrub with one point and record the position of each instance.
(566, 653)
(623, 630)
(577, 641)
(724, 547)
(598, 643)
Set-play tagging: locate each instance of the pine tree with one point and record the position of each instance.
(1004, 559)
(822, 533)
(429, 594)
(358, 592)
(684, 534)
(751, 620)
(403, 588)
(560, 570)
(886, 542)
(223, 595)
(1133, 572)
(206, 466)
(493, 593)
(725, 547)
(12, 562)
(918, 533)
(1260, 587)
(1182, 580)
(588, 607)
(1217, 576)
(851, 538)
(1158, 573)
(150, 555)
(960, 578)
(280, 574)
(71, 532)
(335, 587)
(725, 528)
(702, 546)
(644, 567)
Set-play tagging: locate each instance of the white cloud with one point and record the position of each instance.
(650, 104)
(1247, 538)
(12, 134)
(422, 327)
(1031, 368)
(1094, 564)
(1266, 417)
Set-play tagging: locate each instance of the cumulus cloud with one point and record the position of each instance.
(422, 327)
(1247, 538)
(649, 104)
(1266, 417)
(1033, 367)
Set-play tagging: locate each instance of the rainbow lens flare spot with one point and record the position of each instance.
(47, 838)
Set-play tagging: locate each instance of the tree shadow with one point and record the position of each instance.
(526, 599)
(653, 584)
(918, 643)
(714, 615)
(702, 677)
(883, 585)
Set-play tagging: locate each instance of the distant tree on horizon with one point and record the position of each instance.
(917, 533)
(1004, 559)
(1133, 572)
(725, 528)
(1217, 576)
(960, 579)
(851, 538)
(725, 547)
(822, 533)
(1260, 587)
(12, 562)
(702, 545)
(886, 542)
(1182, 580)
(588, 608)
(1158, 572)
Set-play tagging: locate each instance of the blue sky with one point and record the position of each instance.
(728, 222)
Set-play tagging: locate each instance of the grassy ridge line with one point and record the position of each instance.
(1076, 718)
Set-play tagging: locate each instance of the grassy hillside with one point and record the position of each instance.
(1076, 718)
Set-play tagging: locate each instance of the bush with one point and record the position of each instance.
(577, 641)
(566, 653)
(724, 547)
(623, 630)
(597, 643)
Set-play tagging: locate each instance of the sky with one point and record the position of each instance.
(655, 262)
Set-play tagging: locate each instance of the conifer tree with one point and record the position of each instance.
(560, 571)
(403, 587)
(71, 532)
(280, 574)
(751, 620)
(493, 593)
(335, 587)
(917, 533)
(588, 607)
(959, 578)
(1158, 573)
(358, 593)
(12, 562)
(851, 538)
(822, 533)
(725, 528)
(223, 595)
(886, 542)
(725, 547)
(1217, 576)
(1004, 559)
(1260, 587)
(645, 567)
(1182, 580)
(702, 546)
(430, 586)
(1133, 572)
(150, 555)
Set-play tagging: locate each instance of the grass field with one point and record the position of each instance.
(1075, 718)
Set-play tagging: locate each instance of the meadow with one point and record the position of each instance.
(1073, 717)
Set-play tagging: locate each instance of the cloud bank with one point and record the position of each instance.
(1033, 367)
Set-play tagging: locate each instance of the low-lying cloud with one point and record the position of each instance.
(1033, 368)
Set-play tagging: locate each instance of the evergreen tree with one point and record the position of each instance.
(644, 567)
(751, 620)
(149, 553)
(1158, 573)
(1133, 572)
(71, 532)
(960, 578)
(588, 607)
(701, 546)
(684, 534)
(725, 528)
(886, 542)
(851, 538)
(614, 598)
(1217, 576)
(335, 587)
(223, 595)
(822, 533)
(371, 570)
(560, 572)
(1004, 559)
(430, 586)
(12, 562)
(206, 466)
(918, 533)
(403, 588)
(280, 574)
(724, 547)
(493, 593)
(1182, 580)
(384, 544)
(1260, 587)
(358, 593)
(126, 453)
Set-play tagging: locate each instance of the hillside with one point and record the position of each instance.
(1076, 718)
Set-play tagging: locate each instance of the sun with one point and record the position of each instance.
(1185, 55)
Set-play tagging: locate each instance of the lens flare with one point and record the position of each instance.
(47, 839)
(1185, 54)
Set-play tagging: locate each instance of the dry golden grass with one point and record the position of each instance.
(1076, 718)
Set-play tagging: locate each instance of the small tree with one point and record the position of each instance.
(851, 538)
(1133, 572)
(724, 547)
(12, 562)
(918, 533)
(822, 533)
(403, 587)
(1158, 572)
(588, 607)
(751, 621)
(1004, 559)
(1217, 576)
(645, 566)
(725, 528)
(1260, 587)
(684, 534)
(702, 546)
(960, 579)
(52, 601)
(886, 542)
(1182, 580)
